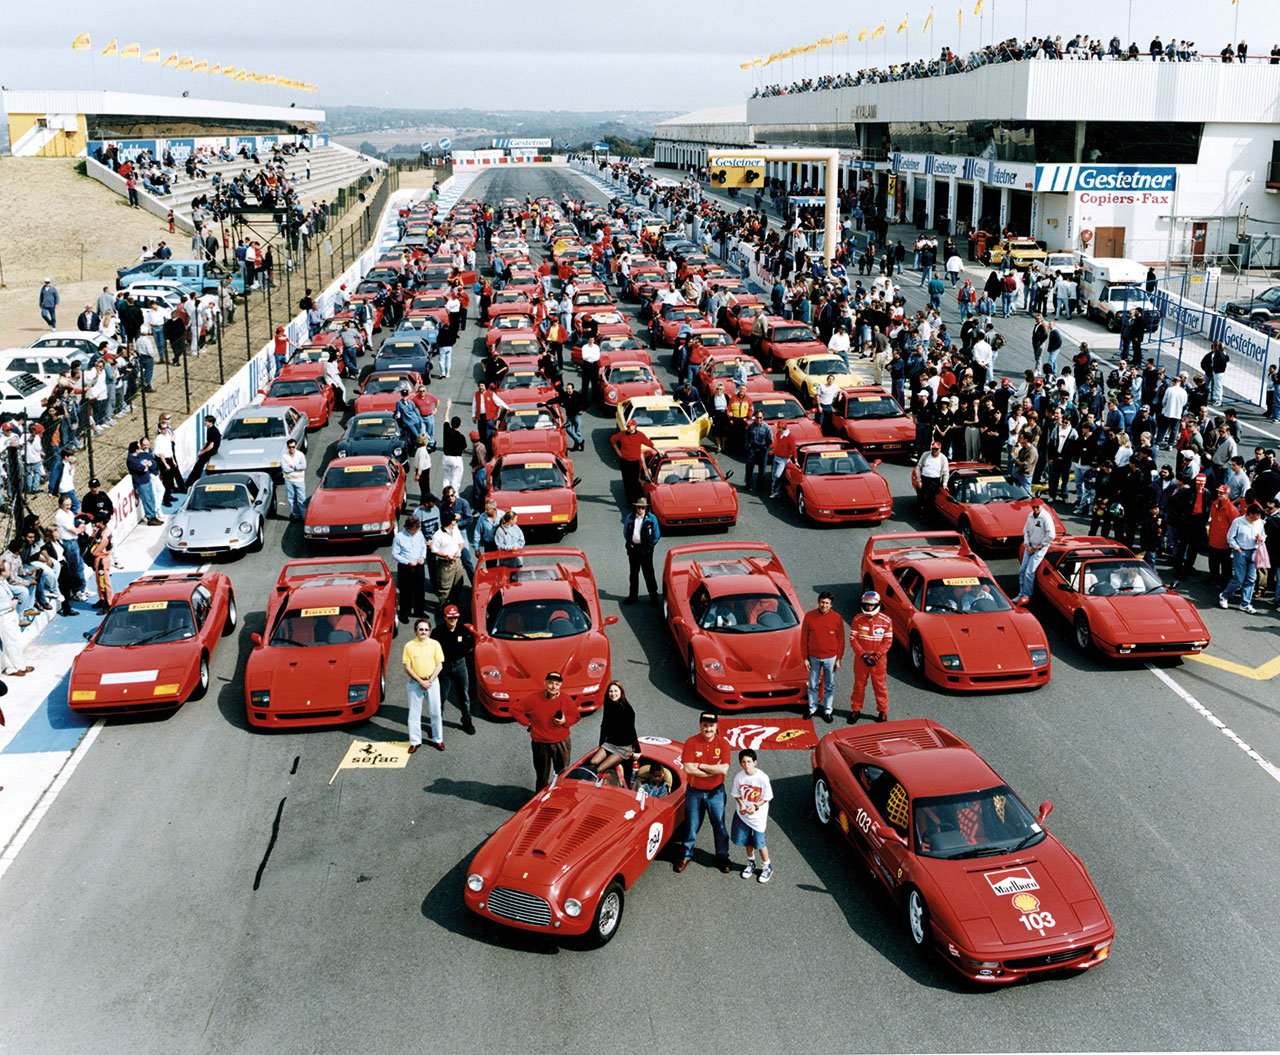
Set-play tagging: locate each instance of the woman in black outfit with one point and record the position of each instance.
(618, 740)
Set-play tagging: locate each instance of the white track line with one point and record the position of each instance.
(46, 800)
(1204, 712)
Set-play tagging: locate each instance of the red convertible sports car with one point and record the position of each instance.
(672, 316)
(358, 498)
(535, 429)
(978, 878)
(152, 651)
(735, 618)
(625, 378)
(323, 658)
(831, 482)
(1117, 603)
(960, 629)
(539, 487)
(871, 419)
(303, 388)
(686, 488)
(562, 864)
(985, 505)
(544, 615)
(718, 367)
(381, 390)
(785, 340)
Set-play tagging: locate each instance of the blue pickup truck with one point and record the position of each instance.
(197, 276)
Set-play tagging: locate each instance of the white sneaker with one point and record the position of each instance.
(1248, 609)
(1222, 602)
(749, 870)
(766, 874)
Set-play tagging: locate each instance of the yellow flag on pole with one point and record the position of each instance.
(81, 43)
(927, 22)
(862, 35)
(902, 26)
(960, 17)
(215, 68)
(201, 67)
(842, 38)
(243, 75)
(878, 31)
(131, 51)
(977, 8)
(172, 60)
(229, 71)
(825, 42)
(152, 56)
(112, 48)
(757, 62)
(187, 63)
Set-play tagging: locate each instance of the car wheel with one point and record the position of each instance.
(1084, 634)
(693, 671)
(608, 915)
(822, 799)
(232, 616)
(259, 539)
(966, 532)
(1113, 324)
(573, 525)
(917, 653)
(382, 684)
(800, 504)
(917, 919)
(271, 503)
(303, 444)
(202, 679)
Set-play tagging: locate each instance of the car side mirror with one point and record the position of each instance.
(876, 464)
(889, 835)
(678, 623)
(609, 620)
(577, 480)
(1046, 808)
(471, 628)
(1065, 587)
(256, 639)
(729, 475)
(87, 635)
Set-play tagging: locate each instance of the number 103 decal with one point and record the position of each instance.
(863, 821)
(1037, 921)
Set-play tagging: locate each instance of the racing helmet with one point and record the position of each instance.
(871, 602)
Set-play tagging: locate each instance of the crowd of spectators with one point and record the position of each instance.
(1012, 50)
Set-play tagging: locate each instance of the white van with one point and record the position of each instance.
(1064, 262)
(1110, 286)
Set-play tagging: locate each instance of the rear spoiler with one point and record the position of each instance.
(730, 551)
(938, 543)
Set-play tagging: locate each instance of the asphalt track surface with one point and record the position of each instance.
(146, 913)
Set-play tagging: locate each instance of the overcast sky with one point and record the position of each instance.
(567, 54)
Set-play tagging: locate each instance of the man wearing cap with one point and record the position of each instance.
(48, 299)
(631, 445)
(458, 645)
(280, 348)
(549, 717)
(1037, 533)
(448, 546)
(423, 660)
(640, 534)
(933, 470)
(870, 638)
(705, 758)
(212, 441)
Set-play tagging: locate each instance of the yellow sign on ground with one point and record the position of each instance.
(366, 754)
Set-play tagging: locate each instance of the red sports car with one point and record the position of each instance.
(988, 507)
(381, 390)
(609, 323)
(538, 486)
(536, 429)
(686, 488)
(523, 382)
(1117, 603)
(544, 615)
(519, 344)
(735, 618)
(706, 340)
(302, 387)
(358, 498)
(780, 407)
(785, 340)
(562, 863)
(672, 316)
(510, 323)
(830, 482)
(720, 367)
(626, 378)
(151, 652)
(873, 421)
(323, 658)
(742, 316)
(979, 880)
(959, 628)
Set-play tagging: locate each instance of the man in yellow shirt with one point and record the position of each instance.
(423, 659)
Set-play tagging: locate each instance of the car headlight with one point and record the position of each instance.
(612, 395)
(378, 525)
(572, 907)
(951, 662)
(356, 693)
(712, 666)
(491, 674)
(260, 698)
(342, 452)
(475, 882)
(1102, 951)
(596, 666)
(317, 529)
(397, 451)
(985, 965)
(246, 527)
(175, 532)
(1039, 657)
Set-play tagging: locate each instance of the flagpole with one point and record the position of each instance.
(1235, 26)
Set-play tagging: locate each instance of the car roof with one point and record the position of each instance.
(942, 771)
(331, 590)
(358, 459)
(257, 410)
(167, 588)
(943, 567)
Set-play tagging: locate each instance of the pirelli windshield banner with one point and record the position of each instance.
(735, 170)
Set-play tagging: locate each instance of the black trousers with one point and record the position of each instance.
(549, 758)
(640, 558)
(457, 673)
(631, 480)
(411, 589)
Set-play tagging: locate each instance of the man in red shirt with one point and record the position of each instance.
(870, 637)
(784, 446)
(548, 717)
(822, 645)
(706, 760)
(631, 445)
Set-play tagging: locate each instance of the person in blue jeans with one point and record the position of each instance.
(706, 758)
(1243, 537)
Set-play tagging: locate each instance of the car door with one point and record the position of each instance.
(884, 802)
(951, 499)
(903, 587)
(202, 611)
(397, 487)
(1051, 580)
(295, 425)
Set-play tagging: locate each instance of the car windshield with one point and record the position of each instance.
(592, 298)
(522, 346)
(351, 477)
(374, 428)
(964, 595)
(973, 824)
(980, 490)
(1126, 294)
(254, 428)
(861, 408)
(822, 367)
(713, 340)
(835, 463)
(530, 419)
(779, 409)
(400, 350)
(727, 367)
(376, 385)
(622, 375)
(677, 314)
(283, 389)
(609, 318)
(671, 416)
(514, 322)
(65, 342)
(523, 379)
(521, 620)
(686, 471)
(617, 344)
(205, 497)
(791, 334)
(747, 613)
(308, 627)
(1109, 578)
(146, 623)
(528, 476)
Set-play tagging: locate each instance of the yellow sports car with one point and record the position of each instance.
(664, 420)
(1022, 251)
(805, 374)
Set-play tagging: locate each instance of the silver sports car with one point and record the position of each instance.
(222, 514)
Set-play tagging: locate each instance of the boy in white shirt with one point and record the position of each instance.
(752, 793)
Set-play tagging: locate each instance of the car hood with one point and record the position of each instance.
(686, 498)
(213, 525)
(349, 507)
(572, 823)
(312, 677)
(385, 401)
(382, 446)
(1146, 617)
(535, 503)
(529, 441)
(986, 642)
(796, 349)
(132, 673)
(859, 488)
(882, 430)
(1007, 519)
(249, 454)
(524, 662)
(772, 657)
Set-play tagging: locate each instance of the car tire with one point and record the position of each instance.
(966, 531)
(233, 616)
(202, 678)
(916, 648)
(822, 799)
(917, 912)
(1084, 633)
(272, 510)
(382, 685)
(1113, 324)
(693, 671)
(302, 445)
(800, 505)
(260, 539)
(608, 917)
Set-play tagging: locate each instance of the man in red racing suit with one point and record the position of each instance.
(870, 638)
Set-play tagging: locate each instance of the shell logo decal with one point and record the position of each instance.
(1026, 902)
(654, 843)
